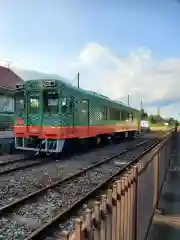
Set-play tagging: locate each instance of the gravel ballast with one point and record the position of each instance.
(41, 209)
(22, 182)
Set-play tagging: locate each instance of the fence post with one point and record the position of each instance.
(129, 237)
(118, 220)
(88, 222)
(65, 235)
(114, 212)
(103, 216)
(126, 203)
(156, 179)
(96, 220)
(78, 229)
(131, 203)
(109, 216)
(122, 220)
(134, 201)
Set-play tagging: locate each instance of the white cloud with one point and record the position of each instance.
(139, 74)
(171, 110)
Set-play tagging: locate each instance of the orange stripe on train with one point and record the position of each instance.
(54, 132)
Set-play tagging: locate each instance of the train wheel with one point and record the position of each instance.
(106, 139)
(109, 140)
(68, 148)
(115, 139)
(131, 135)
(83, 145)
(126, 135)
(98, 140)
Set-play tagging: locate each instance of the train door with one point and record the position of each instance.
(50, 115)
(67, 114)
(19, 111)
(83, 117)
(34, 112)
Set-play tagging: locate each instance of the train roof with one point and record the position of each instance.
(63, 81)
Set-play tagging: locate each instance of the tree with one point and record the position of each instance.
(144, 114)
(172, 121)
(152, 119)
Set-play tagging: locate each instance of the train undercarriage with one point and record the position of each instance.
(56, 146)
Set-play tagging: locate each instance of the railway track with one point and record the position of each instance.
(20, 183)
(10, 158)
(11, 166)
(19, 163)
(30, 217)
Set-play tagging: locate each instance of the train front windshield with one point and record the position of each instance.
(51, 102)
(34, 104)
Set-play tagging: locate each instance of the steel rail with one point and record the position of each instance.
(4, 163)
(16, 168)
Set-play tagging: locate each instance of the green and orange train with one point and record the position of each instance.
(51, 114)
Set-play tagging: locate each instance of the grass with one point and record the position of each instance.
(158, 127)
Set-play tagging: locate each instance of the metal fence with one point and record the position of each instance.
(126, 210)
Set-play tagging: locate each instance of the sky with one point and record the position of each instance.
(119, 47)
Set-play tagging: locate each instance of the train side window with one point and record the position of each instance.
(124, 115)
(120, 115)
(64, 104)
(19, 102)
(131, 117)
(114, 114)
(67, 105)
(71, 104)
(117, 115)
(104, 113)
(84, 106)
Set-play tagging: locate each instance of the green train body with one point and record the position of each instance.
(50, 112)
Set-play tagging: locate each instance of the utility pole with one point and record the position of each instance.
(78, 79)
(141, 105)
(9, 63)
(158, 111)
(128, 99)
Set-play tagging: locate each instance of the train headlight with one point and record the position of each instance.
(19, 86)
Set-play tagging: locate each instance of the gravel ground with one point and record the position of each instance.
(22, 182)
(58, 199)
(18, 163)
(8, 158)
